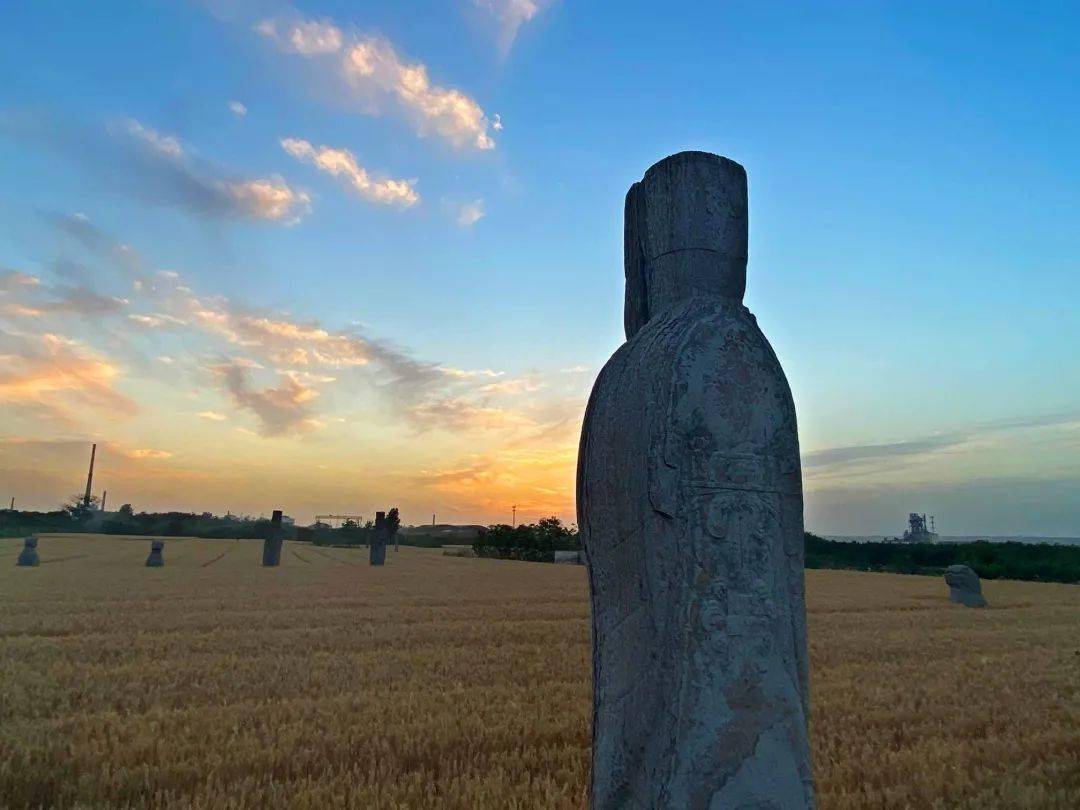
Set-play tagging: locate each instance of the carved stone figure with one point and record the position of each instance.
(964, 586)
(690, 510)
(272, 543)
(155, 560)
(377, 549)
(28, 557)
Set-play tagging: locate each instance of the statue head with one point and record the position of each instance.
(685, 234)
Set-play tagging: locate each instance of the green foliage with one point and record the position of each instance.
(1024, 561)
(79, 510)
(14, 523)
(422, 540)
(536, 542)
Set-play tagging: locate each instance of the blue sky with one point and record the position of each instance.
(913, 190)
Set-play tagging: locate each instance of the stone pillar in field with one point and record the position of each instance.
(155, 559)
(964, 586)
(690, 510)
(272, 544)
(28, 557)
(377, 549)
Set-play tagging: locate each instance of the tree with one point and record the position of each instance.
(77, 508)
(126, 511)
(527, 541)
(393, 520)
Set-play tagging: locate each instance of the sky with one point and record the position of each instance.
(337, 256)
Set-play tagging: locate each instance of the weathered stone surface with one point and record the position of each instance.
(568, 557)
(964, 586)
(690, 509)
(272, 544)
(28, 557)
(155, 558)
(377, 549)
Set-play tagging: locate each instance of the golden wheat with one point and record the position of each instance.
(460, 683)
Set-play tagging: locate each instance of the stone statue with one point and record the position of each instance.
(272, 543)
(377, 549)
(690, 509)
(155, 560)
(28, 557)
(964, 586)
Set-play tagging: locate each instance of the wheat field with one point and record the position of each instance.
(461, 683)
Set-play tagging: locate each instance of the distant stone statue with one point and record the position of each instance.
(28, 557)
(964, 586)
(272, 544)
(155, 560)
(377, 549)
(690, 510)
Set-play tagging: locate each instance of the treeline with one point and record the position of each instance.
(1009, 560)
(1040, 562)
(536, 542)
(126, 520)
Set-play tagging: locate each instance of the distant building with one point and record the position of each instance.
(918, 532)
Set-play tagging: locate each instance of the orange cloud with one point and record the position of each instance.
(59, 375)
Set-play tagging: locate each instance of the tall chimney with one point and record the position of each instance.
(90, 477)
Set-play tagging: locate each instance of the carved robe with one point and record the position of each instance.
(690, 508)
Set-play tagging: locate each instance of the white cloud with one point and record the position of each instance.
(374, 72)
(167, 145)
(522, 385)
(471, 213)
(307, 37)
(509, 16)
(158, 169)
(149, 453)
(212, 416)
(342, 163)
(237, 108)
(469, 374)
(269, 198)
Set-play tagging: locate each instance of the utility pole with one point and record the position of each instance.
(12, 504)
(104, 495)
(89, 477)
(432, 518)
(514, 524)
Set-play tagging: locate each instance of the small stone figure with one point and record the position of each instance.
(964, 586)
(28, 557)
(377, 549)
(272, 544)
(691, 514)
(155, 560)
